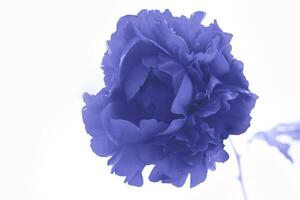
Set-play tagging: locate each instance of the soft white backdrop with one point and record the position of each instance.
(50, 53)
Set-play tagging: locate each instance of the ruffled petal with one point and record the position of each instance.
(219, 66)
(168, 171)
(198, 175)
(220, 156)
(237, 120)
(183, 97)
(235, 76)
(136, 180)
(91, 113)
(103, 146)
(156, 175)
(132, 59)
(175, 70)
(209, 108)
(150, 153)
(154, 29)
(150, 127)
(127, 132)
(175, 125)
(124, 131)
(130, 166)
(115, 47)
(187, 28)
(134, 80)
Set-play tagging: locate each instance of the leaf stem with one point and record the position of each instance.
(240, 176)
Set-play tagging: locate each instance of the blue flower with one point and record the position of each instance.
(173, 93)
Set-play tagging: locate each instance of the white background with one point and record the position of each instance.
(50, 53)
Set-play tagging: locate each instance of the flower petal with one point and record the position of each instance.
(103, 146)
(209, 108)
(149, 153)
(219, 65)
(134, 80)
(220, 156)
(175, 125)
(160, 34)
(91, 113)
(237, 120)
(150, 127)
(127, 132)
(124, 131)
(198, 175)
(132, 58)
(136, 180)
(156, 174)
(183, 97)
(173, 69)
(130, 166)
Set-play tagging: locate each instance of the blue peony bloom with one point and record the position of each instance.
(173, 93)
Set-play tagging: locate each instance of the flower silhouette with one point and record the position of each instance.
(173, 93)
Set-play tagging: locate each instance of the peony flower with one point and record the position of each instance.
(173, 93)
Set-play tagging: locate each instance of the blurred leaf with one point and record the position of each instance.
(271, 137)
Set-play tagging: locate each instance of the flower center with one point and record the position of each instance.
(155, 98)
